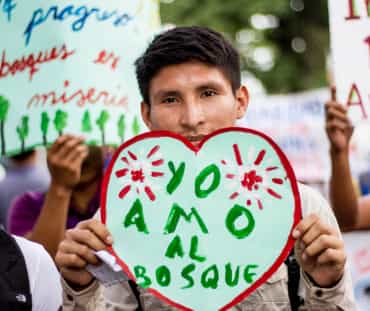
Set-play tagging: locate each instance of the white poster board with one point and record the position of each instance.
(68, 67)
(350, 44)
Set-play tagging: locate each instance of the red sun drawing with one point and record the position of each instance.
(250, 178)
(137, 171)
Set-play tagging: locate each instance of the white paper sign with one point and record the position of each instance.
(350, 40)
(67, 66)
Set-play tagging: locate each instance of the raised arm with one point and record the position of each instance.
(65, 159)
(351, 213)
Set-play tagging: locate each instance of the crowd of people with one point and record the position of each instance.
(190, 82)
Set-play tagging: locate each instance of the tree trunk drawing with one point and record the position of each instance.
(3, 149)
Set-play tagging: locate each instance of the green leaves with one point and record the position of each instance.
(60, 121)
(4, 107)
(23, 128)
(135, 126)
(121, 126)
(102, 120)
(86, 122)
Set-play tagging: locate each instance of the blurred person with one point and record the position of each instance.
(23, 172)
(29, 280)
(352, 211)
(76, 172)
(189, 78)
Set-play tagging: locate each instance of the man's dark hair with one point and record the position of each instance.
(185, 44)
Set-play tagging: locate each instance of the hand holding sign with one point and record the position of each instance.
(190, 223)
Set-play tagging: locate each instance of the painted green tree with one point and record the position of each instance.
(60, 121)
(23, 131)
(121, 126)
(45, 120)
(86, 122)
(102, 122)
(4, 107)
(135, 126)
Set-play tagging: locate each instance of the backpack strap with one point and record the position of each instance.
(293, 281)
(136, 292)
(15, 293)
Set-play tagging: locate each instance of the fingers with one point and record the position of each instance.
(304, 226)
(77, 155)
(332, 255)
(321, 244)
(98, 229)
(78, 254)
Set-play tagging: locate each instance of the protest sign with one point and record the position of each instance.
(68, 67)
(300, 133)
(350, 44)
(200, 227)
(358, 257)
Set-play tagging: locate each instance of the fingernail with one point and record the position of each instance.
(296, 234)
(109, 239)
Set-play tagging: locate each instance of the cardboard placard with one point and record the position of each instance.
(201, 227)
(68, 67)
(350, 44)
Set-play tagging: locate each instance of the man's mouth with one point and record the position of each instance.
(195, 140)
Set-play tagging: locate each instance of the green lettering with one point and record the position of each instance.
(193, 250)
(209, 278)
(177, 176)
(210, 169)
(229, 279)
(248, 276)
(236, 212)
(185, 273)
(135, 216)
(175, 248)
(174, 217)
(163, 276)
(140, 272)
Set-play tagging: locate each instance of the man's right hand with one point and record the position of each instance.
(65, 158)
(338, 126)
(76, 251)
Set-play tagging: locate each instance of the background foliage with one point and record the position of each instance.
(284, 43)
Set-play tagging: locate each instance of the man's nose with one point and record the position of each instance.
(192, 114)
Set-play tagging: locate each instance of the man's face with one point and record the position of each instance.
(192, 99)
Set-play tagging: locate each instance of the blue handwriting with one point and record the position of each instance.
(77, 14)
(7, 7)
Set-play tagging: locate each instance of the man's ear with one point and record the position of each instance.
(145, 114)
(242, 98)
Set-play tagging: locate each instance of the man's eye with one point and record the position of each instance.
(169, 100)
(209, 93)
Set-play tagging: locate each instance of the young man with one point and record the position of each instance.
(352, 213)
(190, 82)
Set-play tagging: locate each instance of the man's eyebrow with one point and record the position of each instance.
(210, 85)
(167, 93)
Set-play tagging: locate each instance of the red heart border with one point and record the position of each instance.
(291, 176)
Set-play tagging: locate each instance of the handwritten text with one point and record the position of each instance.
(77, 15)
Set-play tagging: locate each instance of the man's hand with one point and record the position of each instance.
(319, 251)
(65, 159)
(338, 126)
(76, 251)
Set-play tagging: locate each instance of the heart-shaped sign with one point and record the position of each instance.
(201, 227)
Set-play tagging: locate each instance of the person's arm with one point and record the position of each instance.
(65, 159)
(350, 213)
(80, 290)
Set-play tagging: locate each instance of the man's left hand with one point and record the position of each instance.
(320, 251)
